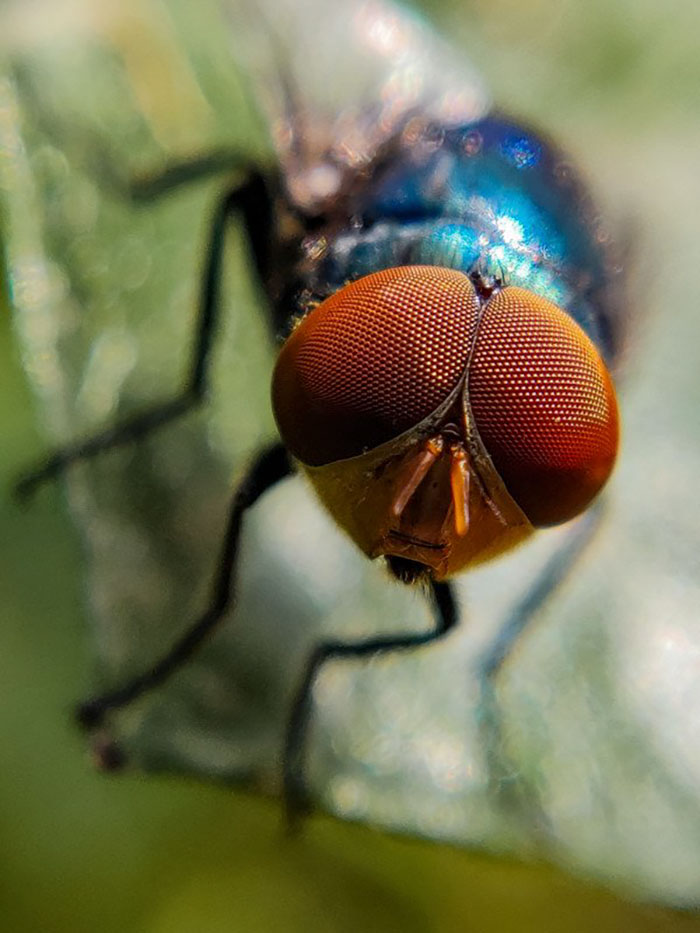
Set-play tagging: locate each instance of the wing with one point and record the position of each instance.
(337, 81)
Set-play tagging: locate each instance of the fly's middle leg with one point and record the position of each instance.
(251, 201)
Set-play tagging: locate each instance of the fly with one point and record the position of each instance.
(450, 310)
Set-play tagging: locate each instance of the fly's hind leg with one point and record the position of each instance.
(270, 466)
(251, 201)
(295, 794)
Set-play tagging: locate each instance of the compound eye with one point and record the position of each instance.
(544, 405)
(373, 361)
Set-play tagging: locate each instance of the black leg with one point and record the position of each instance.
(147, 187)
(252, 202)
(502, 774)
(87, 148)
(552, 574)
(270, 466)
(295, 797)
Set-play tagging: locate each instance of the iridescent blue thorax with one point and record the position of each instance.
(491, 198)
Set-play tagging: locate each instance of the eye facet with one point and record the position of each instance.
(544, 405)
(373, 360)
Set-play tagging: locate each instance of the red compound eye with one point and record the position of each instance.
(373, 361)
(544, 405)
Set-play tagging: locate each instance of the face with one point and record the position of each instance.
(442, 422)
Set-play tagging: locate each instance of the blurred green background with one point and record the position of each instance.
(80, 851)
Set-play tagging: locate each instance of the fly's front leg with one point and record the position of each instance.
(552, 574)
(270, 466)
(512, 629)
(294, 789)
(251, 201)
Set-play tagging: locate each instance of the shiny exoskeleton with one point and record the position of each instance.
(453, 402)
